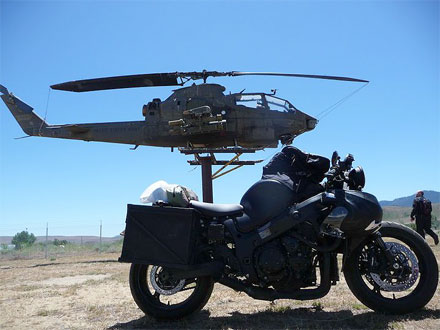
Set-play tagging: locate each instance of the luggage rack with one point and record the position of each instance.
(206, 163)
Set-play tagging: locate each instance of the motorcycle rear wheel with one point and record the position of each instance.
(162, 297)
(378, 297)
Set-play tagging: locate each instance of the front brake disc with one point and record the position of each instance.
(389, 283)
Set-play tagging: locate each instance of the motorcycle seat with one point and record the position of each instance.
(217, 210)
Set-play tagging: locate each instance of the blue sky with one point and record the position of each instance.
(391, 126)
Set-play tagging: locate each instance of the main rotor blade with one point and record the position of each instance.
(170, 79)
(138, 80)
(299, 75)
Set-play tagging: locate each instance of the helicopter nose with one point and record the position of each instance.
(311, 123)
(300, 123)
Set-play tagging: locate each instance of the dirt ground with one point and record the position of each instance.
(92, 292)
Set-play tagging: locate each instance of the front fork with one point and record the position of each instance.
(391, 260)
(377, 239)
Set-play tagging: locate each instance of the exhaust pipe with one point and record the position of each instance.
(271, 294)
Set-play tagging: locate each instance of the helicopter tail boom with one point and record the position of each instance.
(28, 120)
(34, 125)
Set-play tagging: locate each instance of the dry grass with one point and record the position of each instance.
(92, 292)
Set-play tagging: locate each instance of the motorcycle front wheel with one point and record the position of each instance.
(159, 295)
(403, 286)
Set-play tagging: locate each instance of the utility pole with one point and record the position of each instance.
(100, 237)
(47, 232)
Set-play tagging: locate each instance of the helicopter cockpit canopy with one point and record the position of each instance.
(264, 101)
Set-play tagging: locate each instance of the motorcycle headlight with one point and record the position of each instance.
(356, 178)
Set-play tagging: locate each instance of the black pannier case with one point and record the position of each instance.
(162, 236)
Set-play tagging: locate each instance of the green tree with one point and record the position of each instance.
(23, 239)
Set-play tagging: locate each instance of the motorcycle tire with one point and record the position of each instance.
(428, 274)
(150, 303)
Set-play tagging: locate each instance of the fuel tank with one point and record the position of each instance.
(354, 212)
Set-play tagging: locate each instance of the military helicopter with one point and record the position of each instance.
(197, 116)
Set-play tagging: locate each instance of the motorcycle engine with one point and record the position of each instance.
(286, 264)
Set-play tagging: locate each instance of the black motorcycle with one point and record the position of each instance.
(274, 246)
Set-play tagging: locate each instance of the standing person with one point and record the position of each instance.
(422, 209)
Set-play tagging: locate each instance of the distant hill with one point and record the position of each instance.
(433, 196)
(401, 214)
(72, 239)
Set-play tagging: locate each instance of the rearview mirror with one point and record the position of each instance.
(335, 158)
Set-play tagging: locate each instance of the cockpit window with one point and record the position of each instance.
(264, 101)
(250, 101)
(277, 104)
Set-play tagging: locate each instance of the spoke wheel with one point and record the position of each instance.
(406, 284)
(159, 295)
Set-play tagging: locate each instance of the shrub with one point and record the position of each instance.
(411, 225)
(59, 242)
(23, 239)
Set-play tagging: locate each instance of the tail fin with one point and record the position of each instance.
(29, 121)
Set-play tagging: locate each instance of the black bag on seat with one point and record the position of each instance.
(297, 165)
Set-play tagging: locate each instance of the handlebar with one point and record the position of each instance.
(341, 172)
(346, 164)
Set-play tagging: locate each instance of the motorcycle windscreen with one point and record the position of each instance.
(162, 236)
